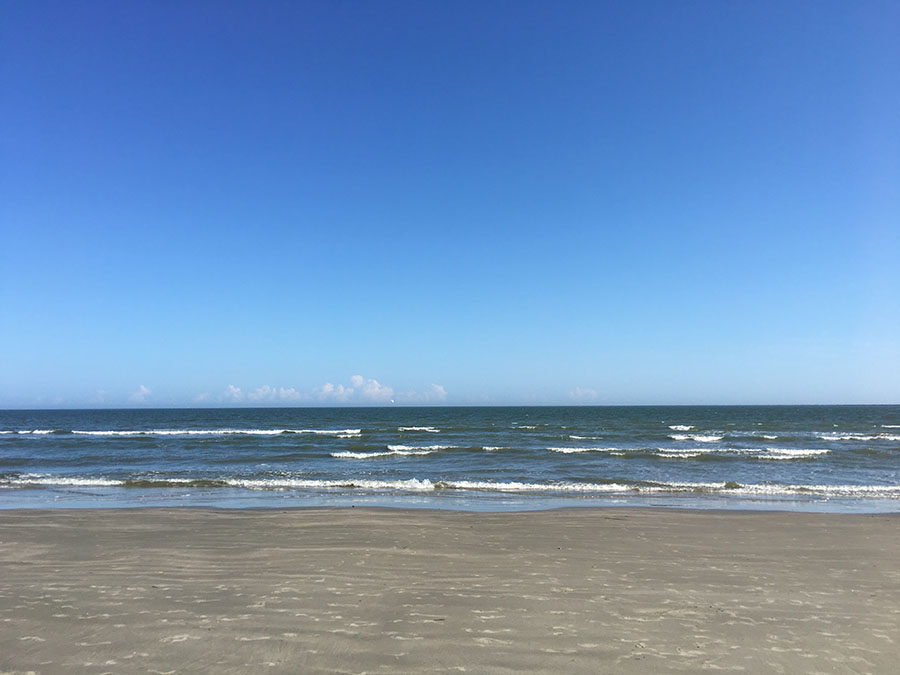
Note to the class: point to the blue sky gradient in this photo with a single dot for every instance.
(319, 203)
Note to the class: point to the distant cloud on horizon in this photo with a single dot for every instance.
(359, 390)
(271, 394)
(583, 395)
(141, 395)
(233, 394)
(434, 394)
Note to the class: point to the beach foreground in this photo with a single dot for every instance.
(379, 590)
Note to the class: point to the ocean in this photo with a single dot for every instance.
(799, 458)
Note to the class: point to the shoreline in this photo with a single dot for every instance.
(36, 500)
(381, 589)
(410, 510)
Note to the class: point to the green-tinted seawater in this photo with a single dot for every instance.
(830, 458)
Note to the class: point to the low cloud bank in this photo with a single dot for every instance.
(358, 390)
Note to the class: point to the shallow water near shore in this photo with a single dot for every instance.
(800, 458)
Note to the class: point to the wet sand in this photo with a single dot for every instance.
(402, 591)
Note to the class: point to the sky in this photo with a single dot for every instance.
(476, 202)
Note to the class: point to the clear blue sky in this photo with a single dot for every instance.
(250, 203)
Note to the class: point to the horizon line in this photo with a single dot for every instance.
(460, 405)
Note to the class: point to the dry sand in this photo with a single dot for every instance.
(395, 591)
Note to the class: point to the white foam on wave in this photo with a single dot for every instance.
(683, 455)
(890, 426)
(700, 438)
(752, 453)
(845, 436)
(793, 453)
(524, 426)
(569, 451)
(430, 448)
(28, 432)
(514, 486)
(340, 433)
(752, 434)
(681, 427)
(706, 451)
(492, 448)
(64, 480)
(431, 430)
(412, 484)
(427, 485)
(585, 438)
(373, 455)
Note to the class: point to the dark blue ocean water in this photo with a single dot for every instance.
(823, 458)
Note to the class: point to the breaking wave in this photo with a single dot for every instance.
(700, 438)
(428, 485)
(219, 432)
(846, 436)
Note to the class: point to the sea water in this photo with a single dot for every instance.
(810, 458)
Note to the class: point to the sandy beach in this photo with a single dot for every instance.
(404, 591)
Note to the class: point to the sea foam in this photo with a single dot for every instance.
(427, 485)
(343, 433)
(372, 455)
(700, 438)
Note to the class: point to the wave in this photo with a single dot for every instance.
(372, 455)
(793, 453)
(340, 433)
(692, 453)
(425, 484)
(409, 485)
(700, 438)
(430, 448)
(35, 432)
(890, 426)
(64, 480)
(745, 453)
(431, 430)
(752, 434)
(850, 436)
(569, 451)
(681, 427)
(710, 451)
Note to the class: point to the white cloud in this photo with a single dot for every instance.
(270, 394)
(141, 394)
(372, 390)
(360, 390)
(583, 395)
(263, 393)
(290, 394)
(331, 392)
(233, 394)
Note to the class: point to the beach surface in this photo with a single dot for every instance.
(416, 591)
